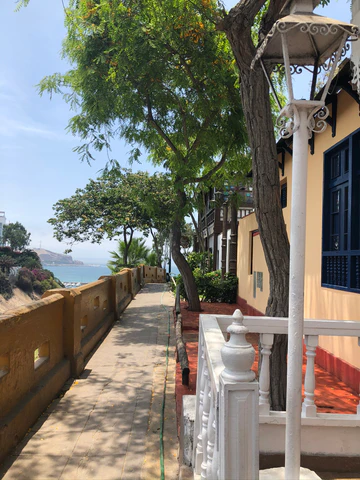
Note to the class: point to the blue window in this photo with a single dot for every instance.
(341, 215)
(283, 195)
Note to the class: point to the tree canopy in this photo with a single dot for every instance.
(137, 253)
(160, 76)
(116, 204)
(155, 73)
(16, 236)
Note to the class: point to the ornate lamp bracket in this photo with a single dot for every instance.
(288, 121)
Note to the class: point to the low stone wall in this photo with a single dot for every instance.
(45, 343)
(154, 274)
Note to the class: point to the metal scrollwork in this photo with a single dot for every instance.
(317, 120)
(286, 122)
(295, 69)
(288, 119)
(314, 28)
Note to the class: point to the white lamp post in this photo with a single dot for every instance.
(301, 40)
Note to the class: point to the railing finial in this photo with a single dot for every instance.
(238, 354)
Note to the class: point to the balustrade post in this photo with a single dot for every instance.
(266, 341)
(211, 437)
(308, 406)
(198, 457)
(205, 422)
(239, 407)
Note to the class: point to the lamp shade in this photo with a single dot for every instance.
(311, 39)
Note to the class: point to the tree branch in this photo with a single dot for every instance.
(243, 14)
(273, 13)
(210, 173)
(197, 84)
(203, 127)
(182, 113)
(157, 127)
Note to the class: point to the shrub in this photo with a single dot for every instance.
(41, 274)
(5, 287)
(211, 287)
(25, 280)
(29, 263)
(38, 288)
(200, 260)
(46, 285)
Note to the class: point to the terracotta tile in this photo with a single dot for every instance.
(331, 395)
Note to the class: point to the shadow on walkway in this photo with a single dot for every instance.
(106, 425)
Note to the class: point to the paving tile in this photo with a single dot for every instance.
(48, 443)
(39, 467)
(97, 468)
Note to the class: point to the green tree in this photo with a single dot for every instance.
(245, 26)
(6, 263)
(158, 75)
(16, 236)
(116, 204)
(137, 253)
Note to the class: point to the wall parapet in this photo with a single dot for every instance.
(44, 343)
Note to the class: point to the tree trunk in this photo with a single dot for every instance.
(266, 185)
(197, 226)
(157, 248)
(180, 260)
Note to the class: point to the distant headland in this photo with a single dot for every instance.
(51, 258)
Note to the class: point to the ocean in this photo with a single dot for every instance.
(83, 273)
(78, 273)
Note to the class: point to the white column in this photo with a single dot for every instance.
(308, 406)
(239, 408)
(296, 293)
(199, 404)
(266, 341)
(211, 437)
(205, 421)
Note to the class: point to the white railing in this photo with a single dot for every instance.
(229, 402)
(226, 421)
(268, 326)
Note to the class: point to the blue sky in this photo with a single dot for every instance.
(38, 166)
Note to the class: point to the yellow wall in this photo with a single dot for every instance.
(320, 302)
(247, 225)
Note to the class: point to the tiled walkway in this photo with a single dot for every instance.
(107, 425)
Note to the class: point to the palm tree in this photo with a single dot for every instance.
(137, 253)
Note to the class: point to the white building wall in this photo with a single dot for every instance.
(2, 223)
(228, 250)
(218, 253)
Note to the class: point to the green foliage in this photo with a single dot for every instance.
(160, 76)
(137, 253)
(152, 259)
(16, 236)
(25, 280)
(6, 262)
(115, 204)
(211, 287)
(26, 258)
(37, 280)
(200, 260)
(5, 286)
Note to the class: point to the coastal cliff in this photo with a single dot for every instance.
(51, 258)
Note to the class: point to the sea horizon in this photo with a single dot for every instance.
(83, 273)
